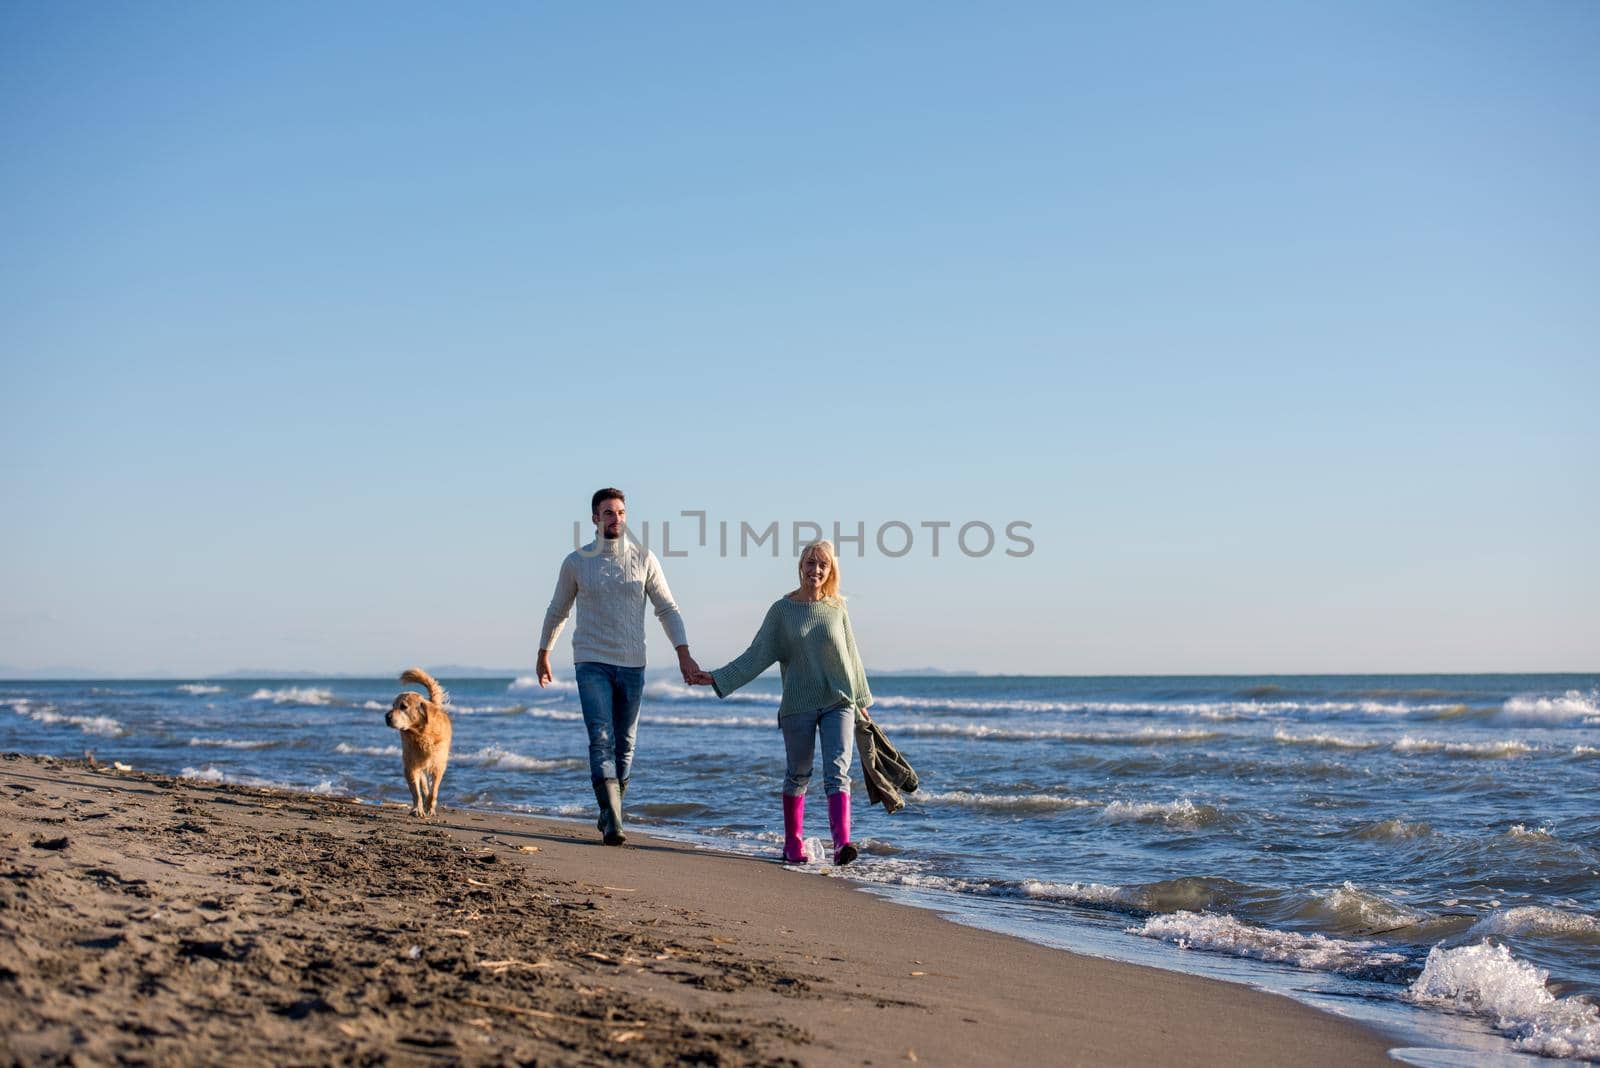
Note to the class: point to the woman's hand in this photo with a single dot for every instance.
(699, 678)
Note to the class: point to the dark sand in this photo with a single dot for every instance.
(149, 920)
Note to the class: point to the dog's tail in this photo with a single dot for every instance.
(436, 692)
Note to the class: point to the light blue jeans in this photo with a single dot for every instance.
(837, 726)
(610, 697)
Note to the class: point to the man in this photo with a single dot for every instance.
(610, 579)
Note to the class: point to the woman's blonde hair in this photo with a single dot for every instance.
(824, 548)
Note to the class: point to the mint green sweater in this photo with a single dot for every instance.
(815, 651)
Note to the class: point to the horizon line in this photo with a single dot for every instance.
(272, 675)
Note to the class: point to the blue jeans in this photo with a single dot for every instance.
(837, 727)
(610, 698)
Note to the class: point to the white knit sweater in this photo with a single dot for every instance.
(609, 579)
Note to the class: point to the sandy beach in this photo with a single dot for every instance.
(148, 919)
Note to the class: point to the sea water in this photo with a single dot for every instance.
(1422, 851)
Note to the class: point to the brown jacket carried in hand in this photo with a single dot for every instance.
(887, 772)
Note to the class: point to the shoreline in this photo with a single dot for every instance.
(157, 917)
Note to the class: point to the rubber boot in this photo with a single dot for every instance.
(604, 820)
(605, 808)
(609, 795)
(794, 828)
(839, 827)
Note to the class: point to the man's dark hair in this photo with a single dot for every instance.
(603, 495)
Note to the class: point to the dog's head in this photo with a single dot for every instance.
(409, 711)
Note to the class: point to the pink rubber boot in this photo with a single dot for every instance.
(794, 828)
(839, 826)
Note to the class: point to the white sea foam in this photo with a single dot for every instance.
(1350, 905)
(1222, 933)
(711, 721)
(1180, 813)
(1574, 704)
(572, 810)
(212, 773)
(378, 706)
(1003, 705)
(1542, 834)
(562, 714)
(530, 683)
(198, 688)
(1005, 802)
(1078, 893)
(1585, 750)
(367, 750)
(1327, 741)
(49, 714)
(1506, 747)
(233, 743)
(1213, 710)
(1486, 979)
(1535, 919)
(913, 874)
(1144, 736)
(667, 690)
(494, 756)
(294, 695)
(484, 710)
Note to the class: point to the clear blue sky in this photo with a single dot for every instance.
(1278, 322)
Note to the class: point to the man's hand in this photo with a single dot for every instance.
(700, 678)
(687, 665)
(542, 669)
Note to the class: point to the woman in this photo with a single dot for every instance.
(807, 633)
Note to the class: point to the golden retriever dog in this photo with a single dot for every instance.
(424, 728)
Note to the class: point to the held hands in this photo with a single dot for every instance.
(542, 669)
(692, 675)
(687, 665)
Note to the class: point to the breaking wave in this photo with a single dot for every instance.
(530, 683)
(1393, 830)
(367, 750)
(295, 695)
(49, 714)
(232, 743)
(711, 721)
(1574, 704)
(212, 773)
(1534, 919)
(1145, 736)
(1350, 908)
(1221, 933)
(1485, 979)
(1507, 747)
(1180, 813)
(1005, 802)
(1327, 741)
(493, 756)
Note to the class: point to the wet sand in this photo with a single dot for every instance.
(151, 920)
